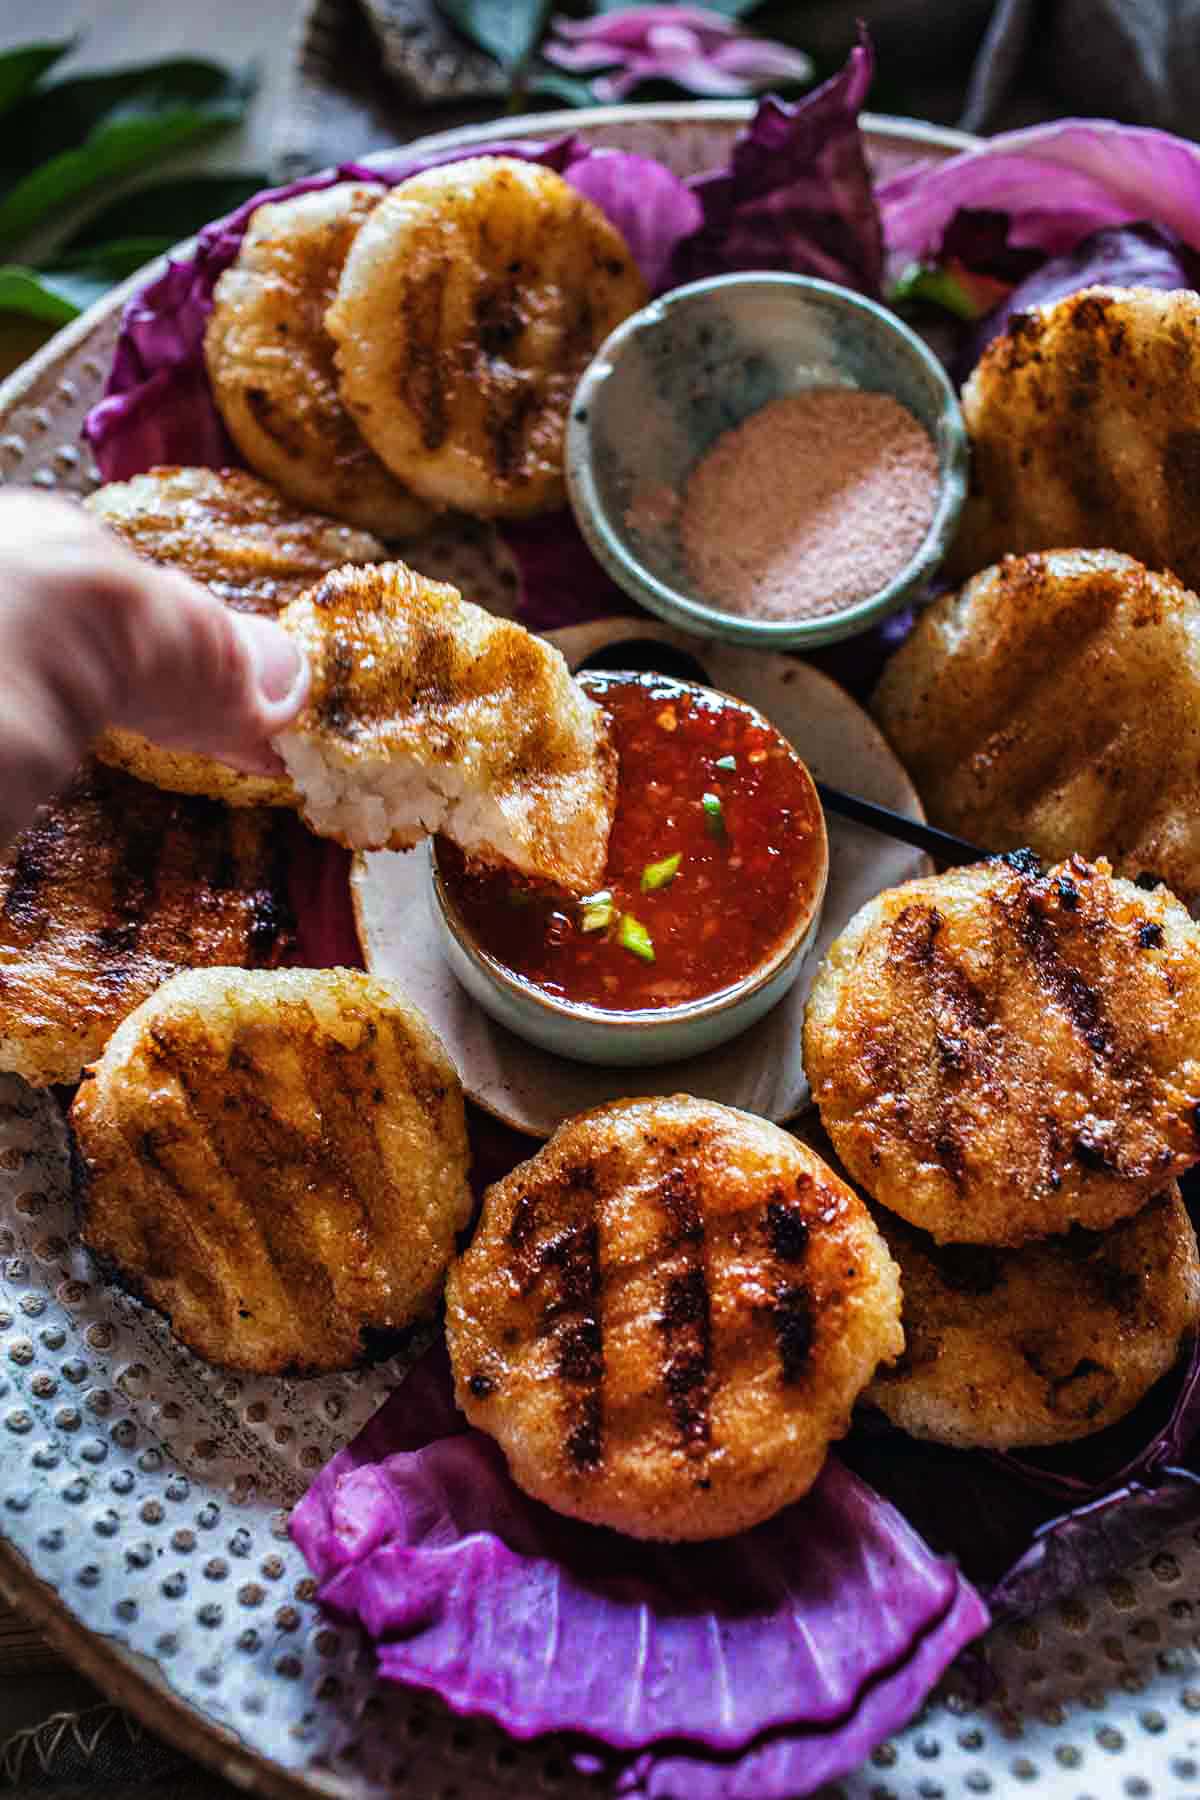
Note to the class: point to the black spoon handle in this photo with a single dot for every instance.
(938, 844)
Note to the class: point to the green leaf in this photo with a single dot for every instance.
(168, 210)
(572, 90)
(58, 143)
(40, 295)
(509, 30)
(115, 260)
(22, 69)
(121, 255)
(70, 284)
(940, 287)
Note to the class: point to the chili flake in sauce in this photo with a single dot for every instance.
(703, 779)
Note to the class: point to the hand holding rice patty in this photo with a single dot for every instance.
(427, 714)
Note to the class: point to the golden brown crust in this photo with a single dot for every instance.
(188, 772)
(1042, 1345)
(278, 1162)
(666, 1315)
(471, 301)
(1085, 430)
(255, 551)
(271, 362)
(998, 1054)
(421, 698)
(113, 889)
(1055, 702)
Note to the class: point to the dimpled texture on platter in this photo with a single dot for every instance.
(143, 1496)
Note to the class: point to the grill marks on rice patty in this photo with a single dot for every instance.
(229, 530)
(666, 1315)
(270, 362)
(471, 300)
(278, 1162)
(998, 1054)
(1043, 1344)
(1084, 426)
(112, 889)
(426, 713)
(1055, 702)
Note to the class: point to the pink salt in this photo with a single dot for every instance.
(653, 510)
(814, 502)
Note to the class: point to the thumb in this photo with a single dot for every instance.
(215, 681)
(278, 670)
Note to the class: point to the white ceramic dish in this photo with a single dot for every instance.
(762, 1069)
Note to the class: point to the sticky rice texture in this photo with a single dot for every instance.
(426, 714)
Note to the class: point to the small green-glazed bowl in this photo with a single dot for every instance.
(671, 379)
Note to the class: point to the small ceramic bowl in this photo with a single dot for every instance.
(690, 366)
(593, 1034)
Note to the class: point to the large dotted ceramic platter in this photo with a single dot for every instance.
(762, 1070)
(144, 1501)
(144, 1497)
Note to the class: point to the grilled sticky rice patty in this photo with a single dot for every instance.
(277, 1160)
(113, 888)
(270, 361)
(1056, 1340)
(999, 1053)
(471, 301)
(427, 714)
(255, 551)
(1055, 702)
(667, 1314)
(1083, 418)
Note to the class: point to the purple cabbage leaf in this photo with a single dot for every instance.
(791, 1763)
(1055, 183)
(560, 581)
(767, 1662)
(1093, 1540)
(797, 194)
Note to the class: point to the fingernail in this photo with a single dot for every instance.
(280, 672)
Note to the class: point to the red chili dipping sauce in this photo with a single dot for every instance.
(717, 847)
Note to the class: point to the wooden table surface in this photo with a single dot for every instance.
(33, 1678)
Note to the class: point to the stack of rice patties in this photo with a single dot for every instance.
(1008, 1060)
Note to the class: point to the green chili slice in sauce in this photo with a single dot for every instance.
(657, 875)
(632, 935)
